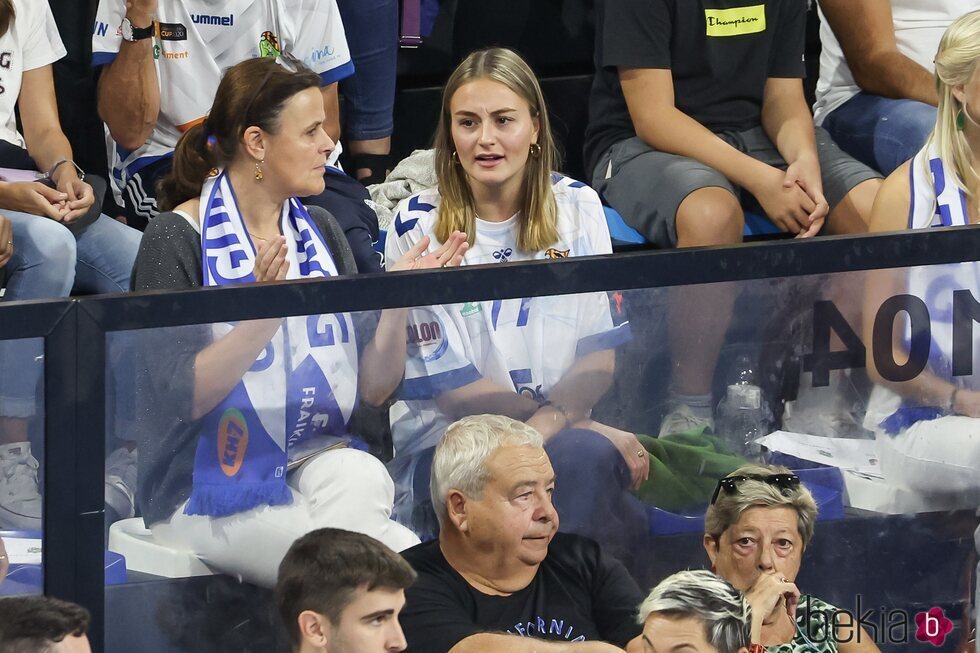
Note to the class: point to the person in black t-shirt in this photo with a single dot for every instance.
(500, 577)
(697, 110)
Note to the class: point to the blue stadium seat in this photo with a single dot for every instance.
(755, 225)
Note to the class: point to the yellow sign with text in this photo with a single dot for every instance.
(735, 22)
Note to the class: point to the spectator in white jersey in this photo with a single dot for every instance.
(55, 240)
(926, 426)
(543, 360)
(876, 94)
(161, 61)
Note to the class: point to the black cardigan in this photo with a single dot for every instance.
(169, 258)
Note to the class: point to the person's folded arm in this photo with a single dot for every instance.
(890, 213)
(485, 396)
(573, 397)
(866, 35)
(787, 122)
(46, 142)
(503, 643)
(786, 119)
(649, 94)
(128, 90)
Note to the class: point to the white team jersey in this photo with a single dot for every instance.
(525, 345)
(31, 42)
(197, 40)
(936, 200)
(919, 25)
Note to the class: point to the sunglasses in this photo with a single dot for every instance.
(288, 62)
(785, 483)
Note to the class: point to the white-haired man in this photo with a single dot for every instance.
(500, 577)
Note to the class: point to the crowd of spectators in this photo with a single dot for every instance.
(518, 512)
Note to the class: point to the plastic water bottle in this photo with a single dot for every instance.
(743, 414)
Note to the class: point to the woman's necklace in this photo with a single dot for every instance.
(264, 240)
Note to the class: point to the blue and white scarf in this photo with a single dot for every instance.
(286, 397)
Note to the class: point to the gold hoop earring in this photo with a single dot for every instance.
(455, 157)
(258, 171)
(535, 150)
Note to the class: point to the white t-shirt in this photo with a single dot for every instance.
(919, 25)
(525, 345)
(32, 41)
(199, 39)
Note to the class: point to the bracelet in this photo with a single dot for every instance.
(50, 173)
(558, 407)
(952, 399)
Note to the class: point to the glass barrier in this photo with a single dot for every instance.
(248, 435)
(21, 472)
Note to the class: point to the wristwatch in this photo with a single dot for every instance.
(132, 33)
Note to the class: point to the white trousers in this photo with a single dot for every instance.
(935, 457)
(343, 488)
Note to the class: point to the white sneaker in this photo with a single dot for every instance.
(20, 496)
(120, 482)
(680, 419)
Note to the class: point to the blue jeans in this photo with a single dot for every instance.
(880, 132)
(369, 94)
(48, 262)
(593, 498)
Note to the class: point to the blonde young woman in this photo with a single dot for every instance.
(929, 439)
(543, 360)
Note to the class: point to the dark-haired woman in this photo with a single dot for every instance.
(226, 407)
(58, 240)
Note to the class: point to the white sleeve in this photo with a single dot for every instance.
(436, 361)
(106, 34)
(397, 244)
(42, 43)
(320, 41)
(410, 224)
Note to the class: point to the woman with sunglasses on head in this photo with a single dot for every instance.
(759, 523)
(225, 408)
(543, 360)
(926, 427)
